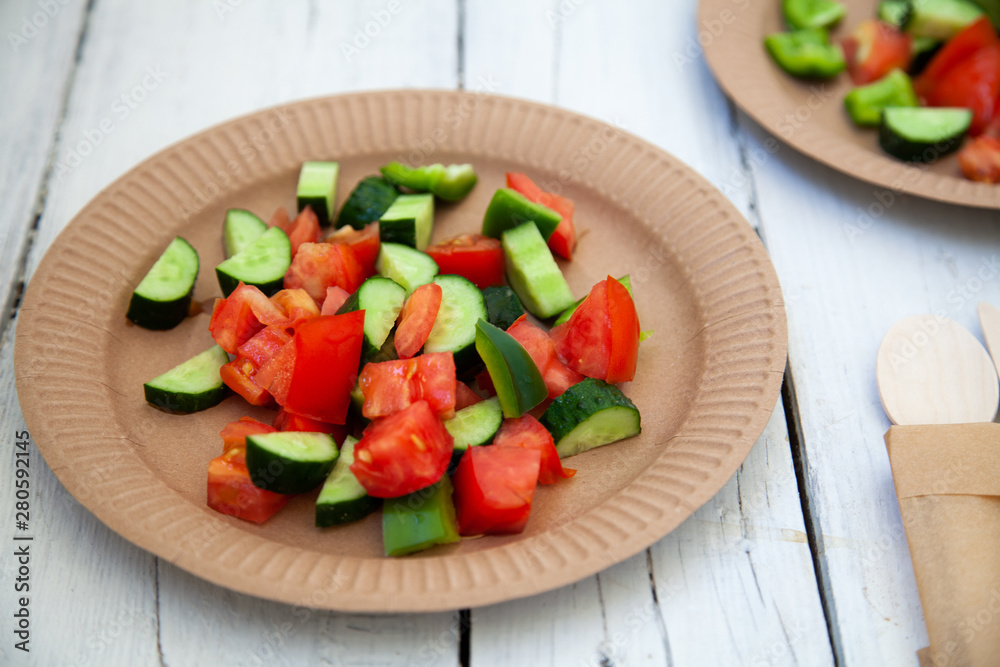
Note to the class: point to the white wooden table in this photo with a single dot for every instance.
(800, 559)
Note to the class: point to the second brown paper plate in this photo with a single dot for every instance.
(708, 379)
(809, 115)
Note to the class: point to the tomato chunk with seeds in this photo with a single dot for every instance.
(417, 319)
(234, 434)
(402, 453)
(494, 487)
(391, 386)
(303, 229)
(231, 492)
(264, 345)
(558, 377)
(238, 317)
(528, 432)
(475, 257)
(364, 242)
(980, 159)
(317, 266)
(238, 375)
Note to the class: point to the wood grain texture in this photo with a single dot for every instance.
(708, 563)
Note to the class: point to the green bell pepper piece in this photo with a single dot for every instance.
(801, 14)
(865, 103)
(419, 520)
(806, 53)
(510, 208)
(450, 183)
(515, 376)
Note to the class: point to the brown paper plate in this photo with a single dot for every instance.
(810, 116)
(708, 379)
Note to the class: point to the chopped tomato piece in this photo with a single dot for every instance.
(528, 432)
(264, 345)
(335, 298)
(364, 242)
(973, 37)
(417, 319)
(403, 453)
(624, 333)
(280, 219)
(874, 49)
(563, 239)
(296, 304)
(317, 266)
(485, 383)
(238, 376)
(475, 257)
(276, 373)
(304, 229)
(391, 386)
(286, 421)
(494, 487)
(237, 318)
(980, 159)
(558, 377)
(230, 490)
(326, 351)
(464, 396)
(234, 434)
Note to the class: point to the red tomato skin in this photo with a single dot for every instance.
(335, 298)
(296, 304)
(231, 492)
(475, 257)
(317, 266)
(238, 376)
(980, 159)
(304, 229)
(583, 342)
(558, 378)
(874, 49)
(528, 432)
(417, 319)
(327, 353)
(237, 318)
(563, 239)
(464, 396)
(974, 37)
(624, 333)
(392, 386)
(494, 488)
(264, 345)
(286, 421)
(234, 434)
(364, 242)
(485, 383)
(402, 453)
(276, 373)
(972, 83)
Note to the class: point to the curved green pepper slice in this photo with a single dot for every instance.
(515, 376)
(806, 53)
(450, 183)
(419, 520)
(801, 14)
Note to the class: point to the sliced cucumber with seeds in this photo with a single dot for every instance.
(502, 305)
(162, 299)
(474, 426)
(290, 461)
(940, 19)
(381, 299)
(405, 265)
(318, 189)
(367, 202)
(923, 134)
(263, 264)
(533, 272)
(454, 330)
(409, 221)
(590, 414)
(240, 229)
(191, 386)
(342, 498)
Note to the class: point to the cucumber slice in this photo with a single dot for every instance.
(290, 461)
(454, 331)
(191, 386)
(405, 265)
(590, 414)
(342, 498)
(420, 520)
(318, 189)
(162, 299)
(474, 426)
(923, 134)
(940, 19)
(367, 202)
(568, 313)
(263, 264)
(510, 208)
(533, 272)
(409, 221)
(381, 299)
(502, 305)
(240, 229)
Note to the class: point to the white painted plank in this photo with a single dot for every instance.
(35, 68)
(212, 67)
(853, 260)
(614, 62)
